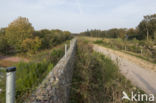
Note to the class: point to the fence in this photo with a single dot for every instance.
(56, 86)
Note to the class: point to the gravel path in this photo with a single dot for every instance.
(141, 73)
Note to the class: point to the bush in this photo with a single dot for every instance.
(2, 84)
(55, 55)
(134, 46)
(98, 42)
(20, 36)
(31, 45)
(53, 37)
(17, 31)
(96, 79)
(28, 76)
(4, 46)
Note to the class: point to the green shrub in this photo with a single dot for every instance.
(4, 46)
(98, 42)
(55, 55)
(96, 79)
(133, 46)
(29, 75)
(2, 84)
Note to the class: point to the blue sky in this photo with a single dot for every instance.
(77, 15)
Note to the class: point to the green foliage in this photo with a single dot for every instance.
(4, 46)
(112, 33)
(21, 37)
(2, 31)
(143, 49)
(17, 31)
(96, 79)
(98, 41)
(155, 36)
(29, 75)
(53, 37)
(31, 45)
(140, 32)
(148, 24)
(2, 84)
(55, 55)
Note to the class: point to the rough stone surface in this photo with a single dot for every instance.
(56, 86)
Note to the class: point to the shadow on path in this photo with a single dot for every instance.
(152, 90)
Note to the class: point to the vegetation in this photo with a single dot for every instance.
(29, 75)
(4, 46)
(2, 85)
(17, 31)
(97, 79)
(140, 42)
(139, 48)
(41, 47)
(145, 29)
(20, 37)
(31, 45)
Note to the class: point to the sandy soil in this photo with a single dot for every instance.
(140, 72)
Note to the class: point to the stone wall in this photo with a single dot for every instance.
(56, 86)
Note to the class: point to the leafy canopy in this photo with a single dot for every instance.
(17, 31)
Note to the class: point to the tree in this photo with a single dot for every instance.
(131, 32)
(147, 26)
(31, 45)
(2, 31)
(155, 36)
(58, 36)
(17, 31)
(67, 34)
(4, 46)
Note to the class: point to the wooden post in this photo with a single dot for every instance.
(70, 43)
(65, 50)
(125, 48)
(141, 51)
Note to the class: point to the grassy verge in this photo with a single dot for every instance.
(4, 63)
(121, 48)
(29, 75)
(2, 85)
(45, 54)
(96, 79)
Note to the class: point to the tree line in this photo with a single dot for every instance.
(145, 30)
(20, 37)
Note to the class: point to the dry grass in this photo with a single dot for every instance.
(96, 79)
(5, 63)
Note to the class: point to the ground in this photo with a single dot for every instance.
(10, 60)
(141, 73)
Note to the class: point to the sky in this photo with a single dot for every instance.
(77, 15)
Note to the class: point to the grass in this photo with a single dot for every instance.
(45, 54)
(139, 56)
(4, 63)
(96, 79)
(30, 75)
(118, 44)
(2, 84)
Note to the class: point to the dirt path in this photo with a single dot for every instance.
(141, 73)
(13, 59)
(6, 61)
